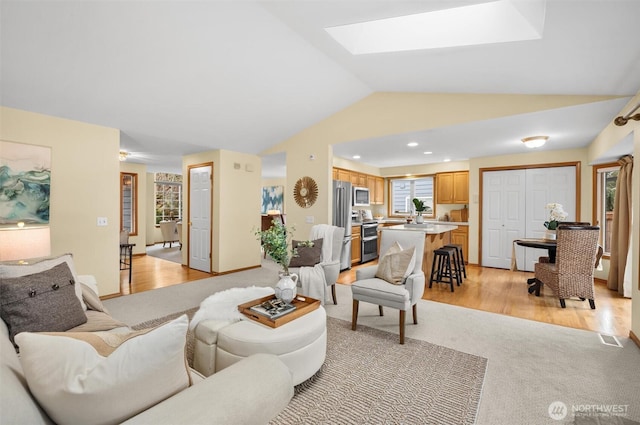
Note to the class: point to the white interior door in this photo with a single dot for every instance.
(503, 215)
(200, 218)
(513, 207)
(546, 185)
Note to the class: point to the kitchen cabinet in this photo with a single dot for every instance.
(378, 194)
(375, 184)
(460, 236)
(343, 175)
(452, 188)
(356, 244)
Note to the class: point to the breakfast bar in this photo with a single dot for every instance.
(435, 236)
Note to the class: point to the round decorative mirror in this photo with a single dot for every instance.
(305, 192)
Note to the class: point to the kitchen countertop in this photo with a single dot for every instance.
(428, 228)
(402, 221)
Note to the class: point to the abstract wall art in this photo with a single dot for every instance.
(272, 198)
(25, 183)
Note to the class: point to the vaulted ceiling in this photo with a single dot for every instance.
(183, 77)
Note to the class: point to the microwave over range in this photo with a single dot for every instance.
(360, 197)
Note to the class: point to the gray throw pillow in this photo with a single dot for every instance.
(308, 256)
(41, 302)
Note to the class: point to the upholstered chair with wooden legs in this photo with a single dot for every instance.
(403, 295)
(572, 273)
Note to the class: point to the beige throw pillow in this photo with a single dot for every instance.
(396, 264)
(104, 377)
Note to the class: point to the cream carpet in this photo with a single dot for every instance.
(530, 365)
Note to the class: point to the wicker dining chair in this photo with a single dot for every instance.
(572, 273)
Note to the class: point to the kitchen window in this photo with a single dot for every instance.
(402, 190)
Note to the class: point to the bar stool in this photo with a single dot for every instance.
(459, 258)
(444, 266)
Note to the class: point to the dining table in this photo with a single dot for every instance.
(549, 244)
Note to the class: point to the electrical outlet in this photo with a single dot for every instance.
(310, 219)
(102, 221)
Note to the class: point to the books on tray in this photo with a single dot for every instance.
(273, 308)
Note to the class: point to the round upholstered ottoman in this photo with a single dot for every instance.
(301, 344)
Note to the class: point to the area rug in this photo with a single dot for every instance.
(369, 378)
(172, 254)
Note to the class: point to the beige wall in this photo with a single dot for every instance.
(236, 208)
(141, 238)
(84, 185)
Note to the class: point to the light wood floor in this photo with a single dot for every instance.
(493, 290)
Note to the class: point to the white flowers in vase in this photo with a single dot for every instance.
(556, 214)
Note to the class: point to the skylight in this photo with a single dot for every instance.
(494, 22)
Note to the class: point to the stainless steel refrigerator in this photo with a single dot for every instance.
(342, 218)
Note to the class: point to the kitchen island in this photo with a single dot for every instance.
(435, 236)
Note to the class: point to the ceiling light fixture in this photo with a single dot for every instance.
(412, 144)
(356, 157)
(535, 141)
(427, 153)
(123, 155)
(446, 160)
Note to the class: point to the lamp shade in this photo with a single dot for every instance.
(23, 243)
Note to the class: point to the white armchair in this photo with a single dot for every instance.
(169, 231)
(370, 289)
(330, 260)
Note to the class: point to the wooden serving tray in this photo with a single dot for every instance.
(302, 303)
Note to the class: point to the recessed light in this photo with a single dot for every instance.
(356, 156)
(446, 160)
(427, 153)
(412, 144)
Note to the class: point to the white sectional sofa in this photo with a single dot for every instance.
(236, 395)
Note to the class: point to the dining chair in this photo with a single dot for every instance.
(572, 273)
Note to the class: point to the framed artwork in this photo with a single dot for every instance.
(272, 198)
(25, 183)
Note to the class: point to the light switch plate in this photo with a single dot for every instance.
(102, 221)
(310, 219)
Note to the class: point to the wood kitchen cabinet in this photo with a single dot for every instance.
(342, 175)
(460, 236)
(378, 194)
(356, 245)
(452, 188)
(375, 184)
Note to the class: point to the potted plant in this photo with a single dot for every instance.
(420, 208)
(276, 242)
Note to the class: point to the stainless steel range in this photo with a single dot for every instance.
(369, 241)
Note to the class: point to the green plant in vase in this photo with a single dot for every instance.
(420, 207)
(276, 242)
